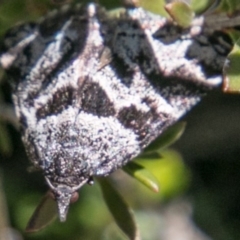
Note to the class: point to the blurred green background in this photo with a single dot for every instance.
(199, 192)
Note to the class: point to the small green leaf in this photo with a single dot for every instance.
(181, 13)
(167, 138)
(170, 171)
(231, 82)
(44, 214)
(155, 6)
(122, 214)
(141, 174)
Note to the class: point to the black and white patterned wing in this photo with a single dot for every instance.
(87, 86)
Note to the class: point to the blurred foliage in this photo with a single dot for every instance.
(232, 70)
(167, 138)
(89, 218)
(45, 214)
(170, 171)
(201, 6)
(121, 212)
(5, 142)
(142, 175)
(155, 6)
(181, 13)
(229, 6)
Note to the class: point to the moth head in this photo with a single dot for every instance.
(64, 195)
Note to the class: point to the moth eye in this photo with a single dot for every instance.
(74, 197)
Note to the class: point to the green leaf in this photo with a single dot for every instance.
(231, 82)
(181, 13)
(44, 214)
(141, 174)
(229, 6)
(122, 214)
(167, 138)
(155, 6)
(203, 5)
(170, 171)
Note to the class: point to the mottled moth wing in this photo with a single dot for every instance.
(92, 91)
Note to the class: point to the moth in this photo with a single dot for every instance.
(91, 90)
